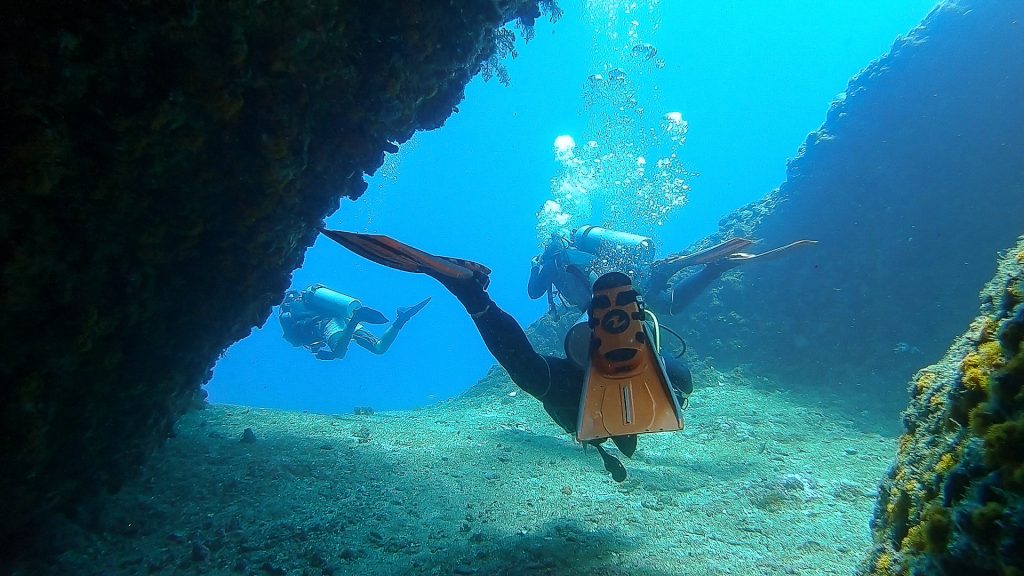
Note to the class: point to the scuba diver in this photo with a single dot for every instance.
(567, 268)
(325, 321)
(613, 383)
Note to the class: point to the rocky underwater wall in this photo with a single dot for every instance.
(915, 179)
(164, 167)
(953, 503)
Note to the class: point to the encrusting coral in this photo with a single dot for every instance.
(952, 503)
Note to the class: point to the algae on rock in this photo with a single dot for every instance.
(953, 502)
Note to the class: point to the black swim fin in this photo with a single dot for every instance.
(404, 314)
(627, 390)
(612, 464)
(741, 257)
(667, 267)
(626, 444)
(367, 315)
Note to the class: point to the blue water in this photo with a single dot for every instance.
(750, 78)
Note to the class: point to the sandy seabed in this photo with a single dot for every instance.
(760, 482)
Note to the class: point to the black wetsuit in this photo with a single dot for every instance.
(556, 382)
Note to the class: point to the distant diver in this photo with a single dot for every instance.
(569, 265)
(615, 386)
(325, 321)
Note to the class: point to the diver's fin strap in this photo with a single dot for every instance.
(483, 273)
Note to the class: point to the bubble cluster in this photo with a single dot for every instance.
(628, 175)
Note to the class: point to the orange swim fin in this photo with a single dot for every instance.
(769, 255)
(712, 254)
(626, 390)
(394, 254)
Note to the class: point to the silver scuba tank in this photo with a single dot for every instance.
(597, 240)
(330, 302)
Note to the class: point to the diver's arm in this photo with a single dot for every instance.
(540, 279)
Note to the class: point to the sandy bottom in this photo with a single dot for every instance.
(760, 482)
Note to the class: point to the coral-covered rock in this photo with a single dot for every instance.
(953, 503)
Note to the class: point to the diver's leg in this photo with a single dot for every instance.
(382, 344)
(508, 344)
(661, 272)
(337, 336)
(679, 377)
(658, 300)
(688, 289)
(502, 335)
(370, 342)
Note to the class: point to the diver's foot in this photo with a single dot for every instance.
(471, 291)
(368, 315)
(476, 282)
(404, 314)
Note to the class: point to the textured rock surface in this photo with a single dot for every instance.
(912, 183)
(952, 503)
(164, 167)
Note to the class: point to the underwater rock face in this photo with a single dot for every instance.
(912, 183)
(165, 165)
(952, 503)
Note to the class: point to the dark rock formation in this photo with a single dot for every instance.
(953, 503)
(164, 167)
(912, 183)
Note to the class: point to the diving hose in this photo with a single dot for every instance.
(657, 329)
(657, 333)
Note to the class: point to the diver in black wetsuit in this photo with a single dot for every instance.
(559, 383)
(568, 267)
(556, 382)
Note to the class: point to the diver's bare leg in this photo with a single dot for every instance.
(337, 341)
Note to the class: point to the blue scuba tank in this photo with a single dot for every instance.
(327, 301)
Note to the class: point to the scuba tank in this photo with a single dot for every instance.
(596, 240)
(327, 301)
(622, 251)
